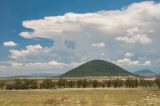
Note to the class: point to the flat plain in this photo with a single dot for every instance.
(81, 97)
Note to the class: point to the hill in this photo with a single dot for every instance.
(145, 73)
(45, 75)
(97, 68)
(34, 75)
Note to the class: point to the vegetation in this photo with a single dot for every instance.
(97, 68)
(47, 84)
(157, 81)
(82, 97)
(81, 83)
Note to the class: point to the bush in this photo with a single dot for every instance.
(70, 84)
(95, 83)
(131, 83)
(79, 83)
(10, 85)
(117, 83)
(47, 84)
(30, 84)
(157, 81)
(19, 84)
(61, 83)
(2, 84)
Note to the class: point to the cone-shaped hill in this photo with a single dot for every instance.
(97, 68)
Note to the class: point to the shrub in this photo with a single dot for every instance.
(47, 84)
(157, 81)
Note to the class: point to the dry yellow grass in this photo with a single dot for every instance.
(81, 97)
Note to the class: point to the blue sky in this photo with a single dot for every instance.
(70, 35)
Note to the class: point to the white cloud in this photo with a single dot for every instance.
(55, 63)
(53, 66)
(9, 43)
(30, 50)
(128, 54)
(140, 38)
(137, 24)
(130, 62)
(127, 61)
(142, 15)
(2, 68)
(147, 63)
(101, 44)
(102, 54)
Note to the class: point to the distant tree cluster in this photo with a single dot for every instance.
(81, 83)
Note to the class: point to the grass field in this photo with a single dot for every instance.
(81, 97)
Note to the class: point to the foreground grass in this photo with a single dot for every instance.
(81, 97)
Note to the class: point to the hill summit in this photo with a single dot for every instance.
(97, 68)
(145, 72)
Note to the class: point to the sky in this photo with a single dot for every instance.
(54, 36)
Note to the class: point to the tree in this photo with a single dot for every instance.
(2, 84)
(131, 83)
(117, 83)
(143, 83)
(157, 81)
(102, 84)
(19, 84)
(33, 84)
(84, 83)
(26, 83)
(30, 83)
(47, 84)
(150, 83)
(10, 85)
(61, 83)
(95, 83)
(108, 83)
(79, 83)
(120, 82)
(70, 84)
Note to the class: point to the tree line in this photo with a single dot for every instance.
(82, 83)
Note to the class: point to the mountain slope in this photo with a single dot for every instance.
(43, 75)
(97, 68)
(145, 73)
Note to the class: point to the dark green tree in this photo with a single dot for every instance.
(47, 84)
(79, 83)
(61, 83)
(19, 84)
(30, 83)
(2, 84)
(95, 83)
(131, 83)
(143, 83)
(157, 81)
(85, 83)
(117, 83)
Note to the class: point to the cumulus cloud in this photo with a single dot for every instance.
(98, 44)
(134, 35)
(130, 62)
(128, 54)
(30, 50)
(147, 63)
(142, 15)
(127, 61)
(2, 68)
(53, 66)
(9, 43)
(136, 24)
(135, 39)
